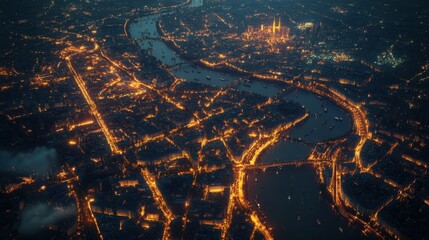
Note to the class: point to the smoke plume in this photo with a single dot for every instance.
(41, 215)
(37, 161)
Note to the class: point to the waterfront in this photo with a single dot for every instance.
(272, 187)
(174, 119)
(293, 203)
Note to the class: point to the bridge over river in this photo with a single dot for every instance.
(264, 166)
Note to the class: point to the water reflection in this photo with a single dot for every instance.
(293, 205)
(289, 197)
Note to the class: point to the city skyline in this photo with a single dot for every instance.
(191, 119)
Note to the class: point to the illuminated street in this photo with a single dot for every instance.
(206, 119)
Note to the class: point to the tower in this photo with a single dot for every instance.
(276, 26)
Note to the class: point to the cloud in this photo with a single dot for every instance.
(40, 215)
(37, 161)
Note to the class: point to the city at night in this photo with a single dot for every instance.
(214, 119)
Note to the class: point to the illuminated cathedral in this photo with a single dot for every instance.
(274, 34)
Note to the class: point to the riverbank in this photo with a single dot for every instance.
(306, 97)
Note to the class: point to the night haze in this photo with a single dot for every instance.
(214, 119)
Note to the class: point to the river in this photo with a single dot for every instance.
(290, 198)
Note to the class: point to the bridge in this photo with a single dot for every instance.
(297, 163)
(286, 90)
(231, 84)
(179, 64)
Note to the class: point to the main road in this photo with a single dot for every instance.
(360, 127)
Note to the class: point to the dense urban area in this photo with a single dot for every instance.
(214, 119)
